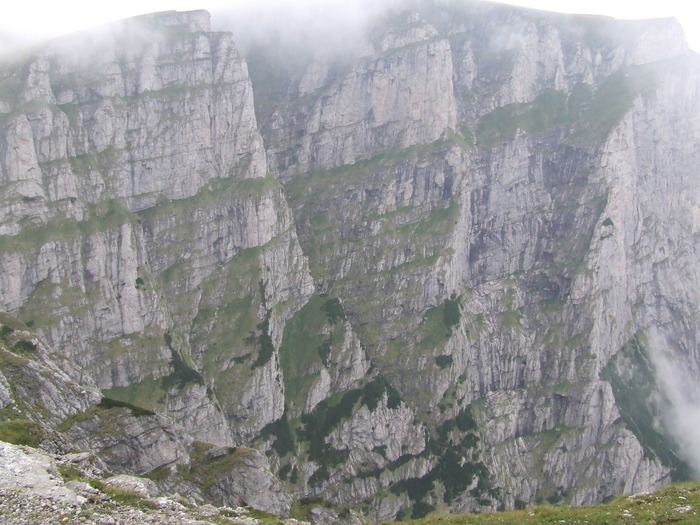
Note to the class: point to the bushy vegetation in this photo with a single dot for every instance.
(334, 310)
(330, 413)
(457, 468)
(107, 403)
(263, 340)
(282, 433)
(443, 361)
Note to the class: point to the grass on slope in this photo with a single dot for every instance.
(678, 504)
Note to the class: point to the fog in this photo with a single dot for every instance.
(332, 22)
(679, 383)
(328, 27)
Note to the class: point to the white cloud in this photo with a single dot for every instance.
(38, 19)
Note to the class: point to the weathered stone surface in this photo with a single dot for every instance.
(394, 429)
(247, 481)
(129, 442)
(401, 97)
(25, 468)
(32, 491)
(141, 486)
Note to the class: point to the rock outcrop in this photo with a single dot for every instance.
(112, 176)
(44, 408)
(33, 490)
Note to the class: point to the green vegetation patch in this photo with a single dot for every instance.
(123, 495)
(21, 432)
(8, 335)
(457, 468)
(613, 99)
(208, 464)
(148, 393)
(262, 339)
(70, 472)
(301, 508)
(511, 319)
(281, 431)
(10, 324)
(106, 413)
(444, 361)
(9, 360)
(330, 413)
(548, 110)
(592, 114)
(227, 336)
(377, 269)
(678, 504)
(436, 326)
(101, 217)
(24, 347)
(218, 192)
(182, 373)
(106, 403)
(334, 181)
(309, 339)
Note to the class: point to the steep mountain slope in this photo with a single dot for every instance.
(496, 265)
(138, 211)
(457, 287)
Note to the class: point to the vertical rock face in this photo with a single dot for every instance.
(501, 273)
(476, 252)
(138, 207)
(399, 96)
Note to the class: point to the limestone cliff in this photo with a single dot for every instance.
(130, 160)
(441, 270)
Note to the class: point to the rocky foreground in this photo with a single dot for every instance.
(36, 487)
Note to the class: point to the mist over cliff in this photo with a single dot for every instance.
(423, 256)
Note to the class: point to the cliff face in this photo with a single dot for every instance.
(473, 255)
(138, 209)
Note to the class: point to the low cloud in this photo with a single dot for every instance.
(327, 27)
(679, 383)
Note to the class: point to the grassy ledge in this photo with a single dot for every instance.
(678, 504)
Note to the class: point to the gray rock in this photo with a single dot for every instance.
(35, 472)
(247, 480)
(141, 486)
